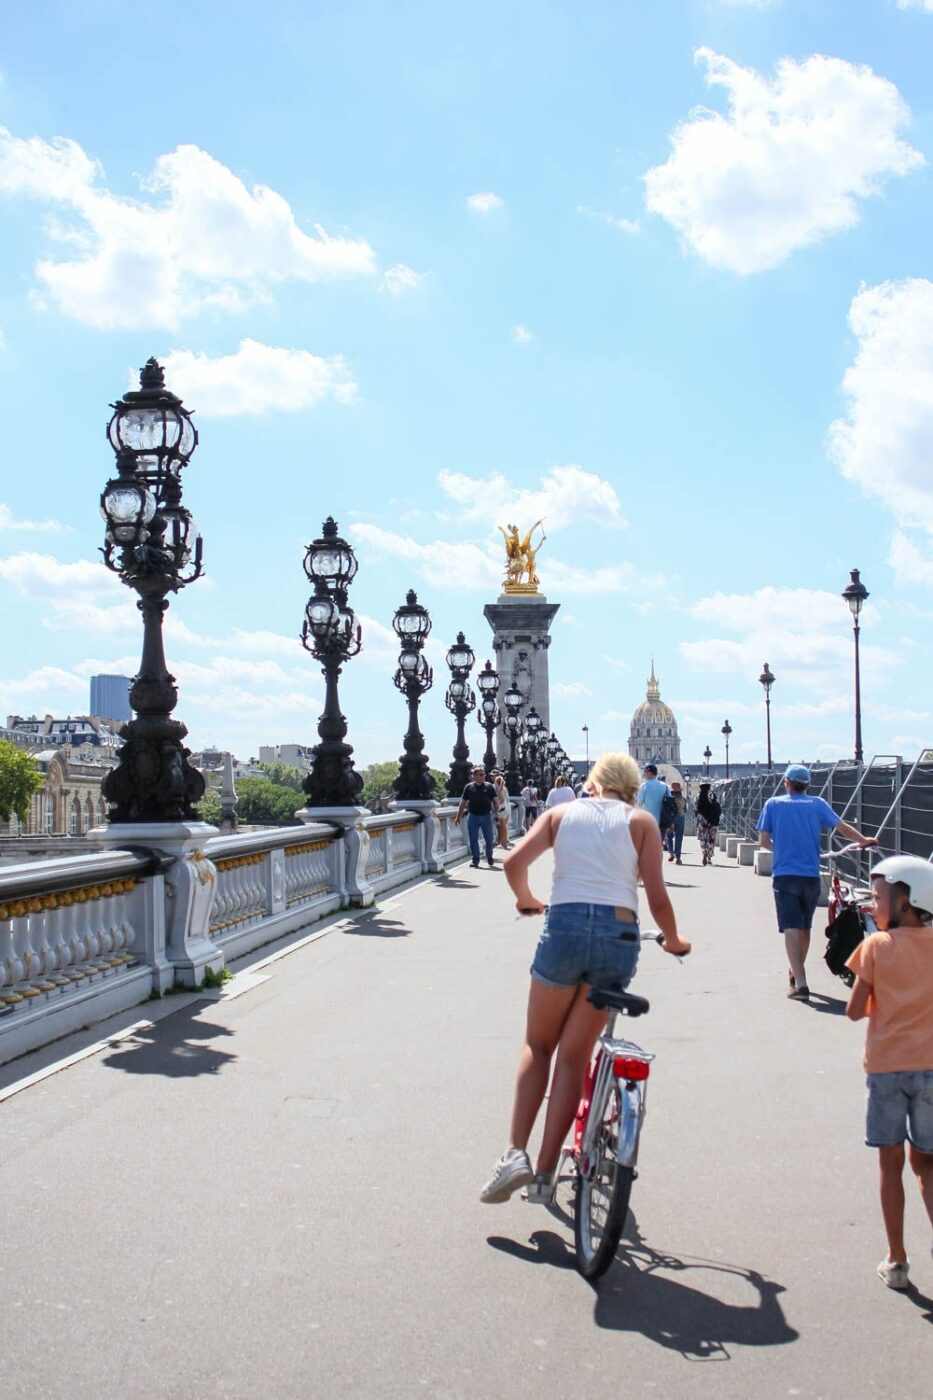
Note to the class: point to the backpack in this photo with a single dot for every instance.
(669, 811)
(714, 810)
(843, 935)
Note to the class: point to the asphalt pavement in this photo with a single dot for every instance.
(275, 1194)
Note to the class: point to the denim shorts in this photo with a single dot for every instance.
(900, 1105)
(586, 943)
(796, 898)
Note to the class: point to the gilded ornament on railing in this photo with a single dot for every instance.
(38, 904)
(521, 559)
(305, 847)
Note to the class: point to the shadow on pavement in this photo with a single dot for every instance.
(171, 1048)
(830, 1006)
(377, 926)
(920, 1300)
(544, 1247)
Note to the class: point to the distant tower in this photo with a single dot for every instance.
(653, 737)
(110, 697)
(521, 620)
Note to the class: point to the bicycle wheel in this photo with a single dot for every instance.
(603, 1189)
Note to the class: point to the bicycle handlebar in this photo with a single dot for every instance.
(828, 856)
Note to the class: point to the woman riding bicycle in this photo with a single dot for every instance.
(602, 847)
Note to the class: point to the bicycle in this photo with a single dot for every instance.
(848, 919)
(607, 1130)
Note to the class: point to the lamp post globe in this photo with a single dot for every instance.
(459, 700)
(512, 724)
(707, 755)
(331, 633)
(413, 678)
(726, 731)
(766, 679)
(855, 595)
(151, 543)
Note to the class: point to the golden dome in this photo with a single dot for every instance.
(653, 710)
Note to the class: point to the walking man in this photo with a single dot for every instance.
(479, 801)
(652, 792)
(674, 836)
(791, 827)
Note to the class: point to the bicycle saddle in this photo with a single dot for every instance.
(625, 1002)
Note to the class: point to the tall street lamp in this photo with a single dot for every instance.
(552, 748)
(533, 727)
(726, 731)
(460, 700)
(152, 544)
(767, 680)
(855, 595)
(413, 678)
(488, 716)
(513, 701)
(586, 731)
(707, 755)
(331, 633)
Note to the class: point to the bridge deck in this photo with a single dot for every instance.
(276, 1194)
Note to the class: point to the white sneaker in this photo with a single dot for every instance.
(541, 1190)
(513, 1170)
(894, 1275)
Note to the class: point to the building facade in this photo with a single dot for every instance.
(653, 737)
(110, 698)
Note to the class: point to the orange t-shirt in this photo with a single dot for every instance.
(898, 966)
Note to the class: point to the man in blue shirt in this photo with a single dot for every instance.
(791, 826)
(652, 792)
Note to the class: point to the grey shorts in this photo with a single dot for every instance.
(795, 899)
(900, 1105)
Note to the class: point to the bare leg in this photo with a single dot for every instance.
(921, 1164)
(793, 939)
(891, 1169)
(547, 1011)
(581, 1028)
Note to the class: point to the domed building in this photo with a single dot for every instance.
(653, 737)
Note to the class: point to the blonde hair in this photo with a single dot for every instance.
(615, 772)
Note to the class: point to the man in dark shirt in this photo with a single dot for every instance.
(479, 801)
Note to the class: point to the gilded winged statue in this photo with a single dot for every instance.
(521, 558)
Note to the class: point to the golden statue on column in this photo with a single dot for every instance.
(521, 558)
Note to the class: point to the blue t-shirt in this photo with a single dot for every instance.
(795, 822)
(650, 796)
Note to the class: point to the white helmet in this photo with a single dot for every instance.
(913, 872)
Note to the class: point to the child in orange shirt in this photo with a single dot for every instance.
(894, 989)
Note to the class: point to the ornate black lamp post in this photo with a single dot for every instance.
(726, 731)
(513, 701)
(767, 680)
(413, 678)
(586, 731)
(707, 755)
(552, 747)
(332, 635)
(533, 726)
(460, 700)
(152, 543)
(855, 595)
(488, 716)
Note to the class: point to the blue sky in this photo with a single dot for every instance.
(660, 273)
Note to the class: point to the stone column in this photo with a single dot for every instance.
(521, 636)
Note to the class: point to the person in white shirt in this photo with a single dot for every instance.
(560, 792)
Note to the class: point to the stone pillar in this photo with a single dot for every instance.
(520, 638)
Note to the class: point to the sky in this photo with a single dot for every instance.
(658, 273)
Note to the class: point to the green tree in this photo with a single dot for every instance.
(261, 803)
(19, 779)
(209, 807)
(379, 777)
(284, 775)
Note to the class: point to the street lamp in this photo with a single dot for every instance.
(726, 731)
(513, 701)
(488, 715)
(552, 747)
(460, 700)
(707, 755)
(152, 544)
(533, 727)
(855, 595)
(331, 633)
(767, 680)
(413, 678)
(586, 731)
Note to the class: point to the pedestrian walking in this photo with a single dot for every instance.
(602, 847)
(791, 826)
(652, 792)
(894, 989)
(707, 812)
(674, 835)
(560, 792)
(479, 802)
(530, 794)
(503, 807)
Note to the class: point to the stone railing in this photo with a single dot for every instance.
(86, 937)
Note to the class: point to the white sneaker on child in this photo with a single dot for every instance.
(894, 1274)
(513, 1170)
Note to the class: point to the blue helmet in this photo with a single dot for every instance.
(797, 773)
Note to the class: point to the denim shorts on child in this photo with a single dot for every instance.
(586, 943)
(795, 898)
(900, 1105)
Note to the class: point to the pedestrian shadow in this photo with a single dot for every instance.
(376, 926)
(920, 1300)
(829, 1006)
(172, 1048)
(543, 1247)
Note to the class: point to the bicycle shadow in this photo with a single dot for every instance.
(171, 1047)
(829, 1006)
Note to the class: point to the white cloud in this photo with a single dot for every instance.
(400, 279)
(909, 562)
(566, 495)
(484, 203)
(197, 238)
(916, 5)
(42, 575)
(256, 379)
(522, 335)
(613, 220)
(8, 522)
(574, 690)
(447, 564)
(788, 164)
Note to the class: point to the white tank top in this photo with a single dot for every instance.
(595, 861)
